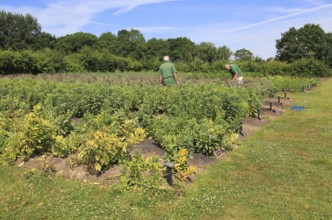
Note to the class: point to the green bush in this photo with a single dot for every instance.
(7, 62)
(72, 64)
(37, 135)
(276, 68)
(181, 66)
(134, 65)
(99, 150)
(308, 68)
(217, 66)
(140, 174)
(292, 84)
(252, 66)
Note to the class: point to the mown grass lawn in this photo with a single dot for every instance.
(284, 171)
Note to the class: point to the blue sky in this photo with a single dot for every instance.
(251, 24)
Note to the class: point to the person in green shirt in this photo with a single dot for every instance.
(167, 73)
(235, 72)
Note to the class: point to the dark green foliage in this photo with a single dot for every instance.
(327, 50)
(106, 41)
(73, 43)
(207, 52)
(156, 49)
(276, 68)
(223, 53)
(305, 67)
(130, 44)
(309, 41)
(251, 66)
(27, 61)
(7, 62)
(243, 55)
(181, 49)
(18, 31)
(308, 68)
(43, 40)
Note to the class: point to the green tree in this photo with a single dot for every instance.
(182, 49)
(207, 52)
(157, 48)
(130, 44)
(43, 40)
(107, 41)
(287, 47)
(72, 43)
(327, 51)
(224, 53)
(308, 41)
(243, 55)
(17, 31)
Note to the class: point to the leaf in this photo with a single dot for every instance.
(97, 167)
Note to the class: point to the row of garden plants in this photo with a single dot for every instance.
(94, 123)
(255, 80)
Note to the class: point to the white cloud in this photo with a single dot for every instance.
(131, 4)
(280, 10)
(314, 2)
(65, 17)
(260, 37)
(299, 12)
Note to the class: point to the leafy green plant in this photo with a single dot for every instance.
(181, 168)
(131, 132)
(100, 150)
(292, 84)
(308, 67)
(209, 137)
(142, 174)
(36, 136)
(65, 146)
(10, 149)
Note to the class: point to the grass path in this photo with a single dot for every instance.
(284, 171)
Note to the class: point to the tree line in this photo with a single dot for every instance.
(25, 48)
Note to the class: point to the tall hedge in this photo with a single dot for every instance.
(89, 60)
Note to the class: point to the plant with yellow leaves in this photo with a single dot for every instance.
(181, 168)
(100, 150)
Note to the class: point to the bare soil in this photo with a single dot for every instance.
(252, 124)
(149, 147)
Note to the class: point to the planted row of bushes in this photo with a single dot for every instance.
(94, 123)
(33, 134)
(214, 112)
